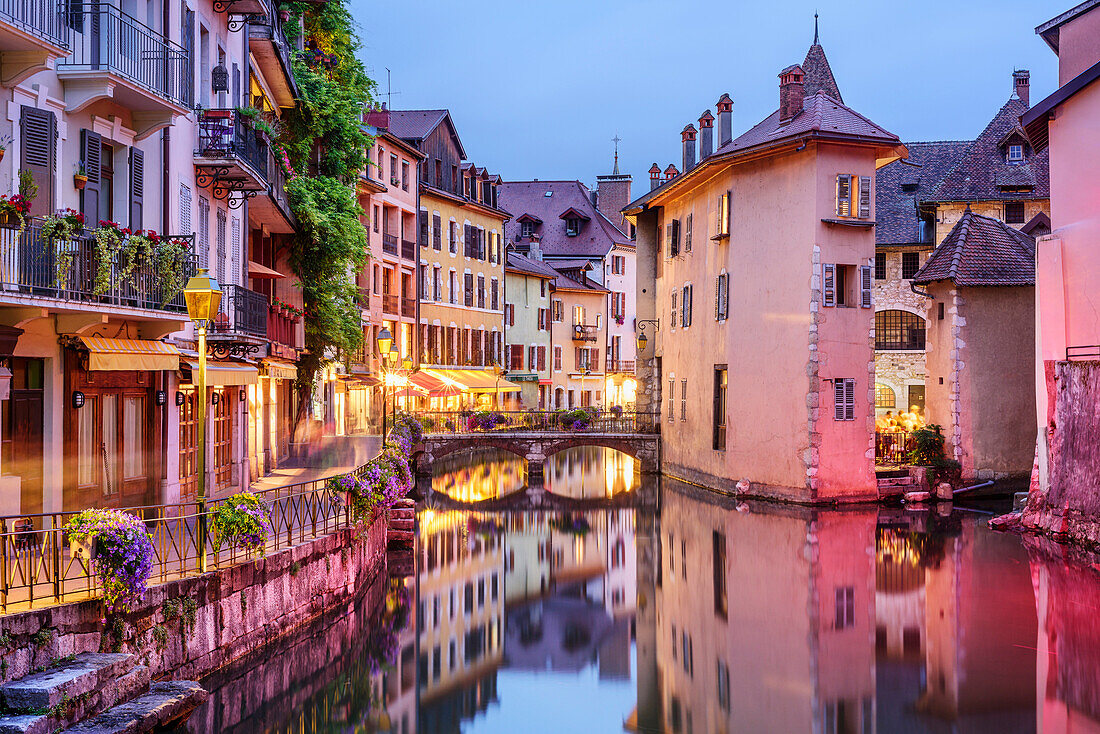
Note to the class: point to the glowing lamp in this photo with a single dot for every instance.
(385, 341)
(203, 296)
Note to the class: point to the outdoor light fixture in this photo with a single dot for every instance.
(215, 398)
(180, 397)
(243, 395)
(385, 341)
(162, 397)
(203, 296)
(394, 355)
(407, 364)
(642, 338)
(78, 399)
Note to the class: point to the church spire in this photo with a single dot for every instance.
(815, 29)
(616, 140)
(818, 75)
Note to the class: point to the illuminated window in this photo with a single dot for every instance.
(898, 330)
(884, 396)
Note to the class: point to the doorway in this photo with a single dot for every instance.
(22, 436)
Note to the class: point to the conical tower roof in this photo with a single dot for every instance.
(819, 76)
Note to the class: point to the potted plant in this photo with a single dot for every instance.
(80, 178)
(121, 551)
(241, 522)
(5, 141)
(284, 14)
(13, 211)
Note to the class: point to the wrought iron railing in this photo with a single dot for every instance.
(42, 18)
(107, 39)
(226, 134)
(73, 270)
(38, 568)
(625, 366)
(389, 243)
(272, 30)
(408, 249)
(584, 333)
(602, 421)
(390, 303)
(408, 307)
(892, 447)
(243, 311)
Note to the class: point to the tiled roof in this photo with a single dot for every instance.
(530, 266)
(982, 172)
(980, 251)
(818, 74)
(564, 281)
(416, 125)
(901, 184)
(529, 197)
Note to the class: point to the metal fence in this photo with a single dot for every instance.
(107, 39)
(892, 447)
(604, 421)
(41, 18)
(70, 269)
(245, 312)
(38, 568)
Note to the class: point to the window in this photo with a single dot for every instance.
(910, 264)
(671, 413)
(723, 680)
(687, 234)
(377, 219)
(453, 237)
(468, 291)
(675, 296)
(844, 399)
(1014, 212)
(880, 266)
(437, 233)
(685, 306)
(845, 607)
(572, 227)
(722, 297)
(1015, 152)
(423, 228)
(718, 543)
(722, 216)
(884, 396)
(853, 196)
(437, 283)
(558, 310)
(532, 359)
(672, 236)
(683, 400)
(839, 284)
(844, 195)
(939, 311)
(687, 653)
(557, 359)
(721, 383)
(438, 173)
(618, 265)
(895, 330)
(405, 175)
(526, 229)
(394, 181)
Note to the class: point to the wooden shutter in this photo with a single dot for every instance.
(828, 284)
(844, 195)
(865, 286)
(453, 235)
(437, 233)
(674, 296)
(468, 281)
(722, 215)
(38, 130)
(844, 399)
(557, 358)
(687, 234)
(91, 152)
(423, 228)
(675, 237)
(137, 188)
(577, 358)
(838, 399)
(594, 359)
(864, 197)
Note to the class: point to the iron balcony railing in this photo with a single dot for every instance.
(243, 311)
(226, 134)
(106, 39)
(408, 307)
(892, 447)
(584, 333)
(408, 249)
(42, 18)
(625, 366)
(390, 303)
(72, 269)
(389, 243)
(514, 421)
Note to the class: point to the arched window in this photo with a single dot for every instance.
(898, 330)
(884, 396)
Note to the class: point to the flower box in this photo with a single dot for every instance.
(9, 220)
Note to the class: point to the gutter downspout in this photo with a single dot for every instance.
(922, 294)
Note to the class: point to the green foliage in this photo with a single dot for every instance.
(5, 640)
(241, 521)
(42, 638)
(295, 569)
(244, 603)
(160, 636)
(927, 446)
(183, 609)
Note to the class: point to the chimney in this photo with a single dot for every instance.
(790, 92)
(654, 176)
(706, 135)
(1021, 85)
(687, 137)
(725, 120)
(379, 117)
(671, 172)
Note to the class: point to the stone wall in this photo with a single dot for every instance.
(188, 628)
(899, 369)
(948, 215)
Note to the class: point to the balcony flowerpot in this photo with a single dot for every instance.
(80, 181)
(9, 220)
(284, 16)
(2, 152)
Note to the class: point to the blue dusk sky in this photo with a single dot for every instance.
(538, 89)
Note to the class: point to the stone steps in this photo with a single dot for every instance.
(401, 524)
(86, 672)
(167, 703)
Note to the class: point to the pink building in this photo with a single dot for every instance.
(769, 384)
(1063, 496)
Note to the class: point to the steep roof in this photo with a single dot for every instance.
(900, 185)
(529, 197)
(984, 174)
(981, 251)
(818, 73)
(529, 266)
(416, 125)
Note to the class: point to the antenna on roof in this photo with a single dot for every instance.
(815, 28)
(389, 90)
(616, 140)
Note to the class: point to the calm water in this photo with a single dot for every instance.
(705, 615)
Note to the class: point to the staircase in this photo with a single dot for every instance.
(401, 524)
(107, 693)
(895, 485)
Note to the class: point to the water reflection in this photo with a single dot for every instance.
(589, 472)
(711, 616)
(479, 475)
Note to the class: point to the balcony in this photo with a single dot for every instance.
(408, 307)
(243, 313)
(118, 59)
(620, 366)
(273, 207)
(389, 244)
(33, 267)
(283, 333)
(584, 333)
(408, 250)
(390, 303)
(32, 33)
(232, 156)
(271, 50)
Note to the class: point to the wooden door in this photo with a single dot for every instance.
(189, 473)
(222, 414)
(23, 431)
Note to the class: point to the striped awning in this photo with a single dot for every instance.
(278, 369)
(474, 380)
(121, 355)
(433, 385)
(225, 374)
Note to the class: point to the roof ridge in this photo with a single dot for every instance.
(964, 230)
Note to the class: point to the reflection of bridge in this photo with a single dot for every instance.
(534, 496)
(535, 447)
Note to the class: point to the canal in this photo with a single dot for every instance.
(702, 615)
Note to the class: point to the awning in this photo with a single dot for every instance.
(225, 374)
(118, 355)
(474, 381)
(434, 386)
(278, 369)
(255, 270)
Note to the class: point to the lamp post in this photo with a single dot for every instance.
(406, 367)
(394, 357)
(385, 342)
(203, 296)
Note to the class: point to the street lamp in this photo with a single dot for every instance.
(642, 339)
(394, 357)
(203, 296)
(385, 342)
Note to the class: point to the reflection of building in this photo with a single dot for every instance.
(792, 591)
(494, 474)
(590, 472)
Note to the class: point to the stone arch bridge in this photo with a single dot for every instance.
(535, 447)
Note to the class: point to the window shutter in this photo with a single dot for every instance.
(865, 286)
(849, 399)
(594, 359)
(532, 360)
(864, 197)
(204, 232)
(137, 188)
(236, 274)
(423, 228)
(542, 359)
(838, 399)
(91, 151)
(844, 195)
(437, 233)
(722, 215)
(38, 129)
(828, 284)
(687, 234)
(675, 237)
(674, 296)
(185, 209)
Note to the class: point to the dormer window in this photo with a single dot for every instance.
(1015, 153)
(527, 229)
(572, 226)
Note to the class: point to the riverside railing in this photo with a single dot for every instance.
(512, 421)
(38, 568)
(892, 447)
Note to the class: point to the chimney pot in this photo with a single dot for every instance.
(671, 172)
(688, 139)
(654, 176)
(725, 120)
(706, 135)
(1021, 85)
(790, 92)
